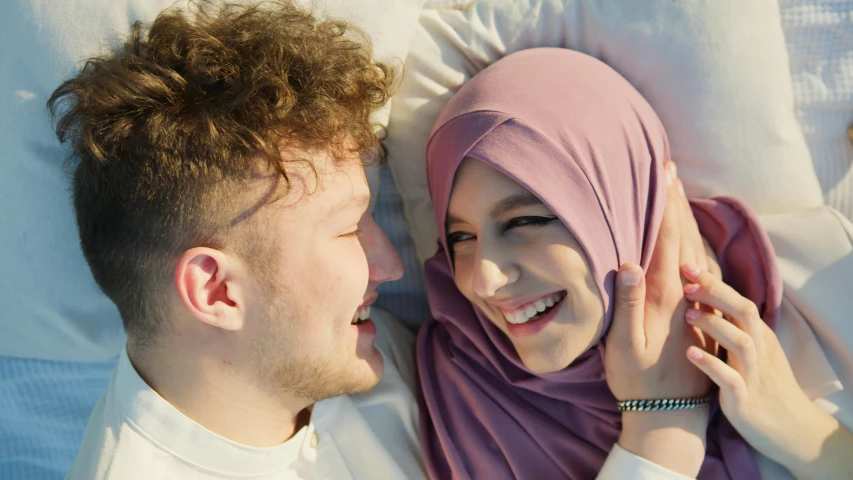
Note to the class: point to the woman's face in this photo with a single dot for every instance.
(517, 262)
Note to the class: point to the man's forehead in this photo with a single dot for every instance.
(350, 184)
(317, 183)
(332, 187)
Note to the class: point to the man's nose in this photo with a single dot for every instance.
(383, 261)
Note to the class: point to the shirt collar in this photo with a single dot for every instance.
(161, 423)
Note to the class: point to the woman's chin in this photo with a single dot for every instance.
(546, 362)
(541, 359)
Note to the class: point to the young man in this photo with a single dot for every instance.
(222, 205)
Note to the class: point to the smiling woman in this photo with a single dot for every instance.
(547, 174)
(522, 268)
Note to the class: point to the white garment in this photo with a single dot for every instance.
(136, 434)
(622, 465)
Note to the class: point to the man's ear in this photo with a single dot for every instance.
(211, 286)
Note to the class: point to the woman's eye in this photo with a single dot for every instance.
(353, 234)
(528, 222)
(457, 237)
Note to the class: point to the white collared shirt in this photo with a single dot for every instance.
(136, 434)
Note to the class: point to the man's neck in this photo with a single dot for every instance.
(216, 394)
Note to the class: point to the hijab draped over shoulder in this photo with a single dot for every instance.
(577, 135)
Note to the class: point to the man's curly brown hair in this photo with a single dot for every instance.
(166, 129)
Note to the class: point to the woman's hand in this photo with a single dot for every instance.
(758, 391)
(644, 355)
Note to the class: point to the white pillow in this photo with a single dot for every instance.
(819, 35)
(52, 308)
(715, 72)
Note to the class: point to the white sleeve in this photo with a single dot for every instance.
(622, 464)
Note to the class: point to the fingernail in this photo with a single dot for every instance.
(629, 278)
(681, 188)
(694, 353)
(671, 169)
(691, 288)
(669, 176)
(692, 314)
(691, 270)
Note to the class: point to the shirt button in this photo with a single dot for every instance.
(315, 440)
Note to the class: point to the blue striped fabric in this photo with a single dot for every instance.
(405, 298)
(44, 407)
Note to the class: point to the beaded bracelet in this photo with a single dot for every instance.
(664, 404)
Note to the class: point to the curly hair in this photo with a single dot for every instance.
(164, 128)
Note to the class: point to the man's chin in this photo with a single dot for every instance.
(370, 367)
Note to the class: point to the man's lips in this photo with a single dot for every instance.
(369, 300)
(362, 313)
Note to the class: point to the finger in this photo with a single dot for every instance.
(692, 243)
(714, 268)
(740, 345)
(665, 257)
(627, 329)
(690, 230)
(671, 171)
(727, 378)
(711, 258)
(687, 255)
(705, 288)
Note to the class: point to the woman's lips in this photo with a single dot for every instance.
(531, 309)
(534, 325)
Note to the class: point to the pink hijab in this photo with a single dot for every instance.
(576, 134)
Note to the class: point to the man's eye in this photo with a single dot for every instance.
(528, 222)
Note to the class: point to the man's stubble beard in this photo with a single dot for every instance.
(311, 379)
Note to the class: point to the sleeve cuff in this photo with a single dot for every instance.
(622, 464)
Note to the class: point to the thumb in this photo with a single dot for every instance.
(627, 330)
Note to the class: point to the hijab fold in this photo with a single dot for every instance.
(577, 135)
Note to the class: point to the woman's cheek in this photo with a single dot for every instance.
(462, 277)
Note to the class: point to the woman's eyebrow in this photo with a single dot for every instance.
(518, 200)
(523, 199)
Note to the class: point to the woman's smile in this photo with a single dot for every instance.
(531, 317)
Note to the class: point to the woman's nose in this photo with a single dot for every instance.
(491, 274)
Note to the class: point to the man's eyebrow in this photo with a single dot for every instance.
(358, 202)
(523, 199)
(362, 201)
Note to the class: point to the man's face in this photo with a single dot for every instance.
(327, 257)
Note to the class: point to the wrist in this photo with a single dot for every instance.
(803, 442)
(671, 439)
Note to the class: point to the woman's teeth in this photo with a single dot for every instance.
(362, 314)
(532, 310)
